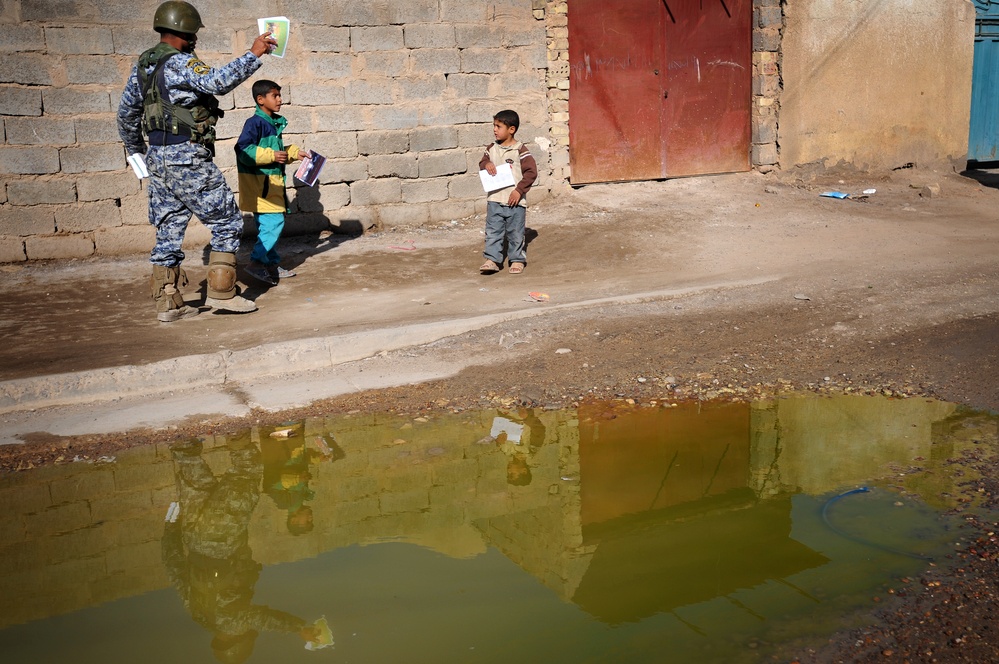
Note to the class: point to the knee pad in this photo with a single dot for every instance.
(221, 275)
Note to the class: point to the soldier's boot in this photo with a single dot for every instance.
(165, 285)
(222, 285)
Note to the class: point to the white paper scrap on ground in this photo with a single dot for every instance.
(502, 179)
(138, 163)
(512, 430)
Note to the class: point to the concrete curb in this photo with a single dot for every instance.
(277, 359)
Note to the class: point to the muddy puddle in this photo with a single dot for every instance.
(707, 532)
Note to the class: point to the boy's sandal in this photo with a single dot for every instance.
(516, 268)
(489, 267)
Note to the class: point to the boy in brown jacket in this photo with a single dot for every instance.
(506, 208)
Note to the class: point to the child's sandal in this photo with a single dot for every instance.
(516, 268)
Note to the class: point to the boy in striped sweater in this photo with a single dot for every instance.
(506, 209)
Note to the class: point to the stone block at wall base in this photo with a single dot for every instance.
(43, 247)
(410, 214)
(12, 250)
(124, 241)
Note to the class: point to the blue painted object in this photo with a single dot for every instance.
(983, 135)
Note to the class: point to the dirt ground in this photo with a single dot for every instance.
(724, 287)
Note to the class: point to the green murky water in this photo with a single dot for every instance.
(699, 533)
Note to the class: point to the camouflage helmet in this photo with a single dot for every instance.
(177, 16)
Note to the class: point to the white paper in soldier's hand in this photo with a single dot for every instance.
(502, 179)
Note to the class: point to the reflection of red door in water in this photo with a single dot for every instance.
(659, 88)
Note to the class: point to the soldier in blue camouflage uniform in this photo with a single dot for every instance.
(170, 97)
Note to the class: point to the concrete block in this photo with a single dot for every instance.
(462, 11)
(506, 85)
(41, 192)
(423, 139)
(354, 220)
(479, 35)
(383, 63)
(97, 130)
(380, 38)
(436, 60)
(93, 158)
(79, 40)
(452, 209)
(393, 117)
(426, 35)
(485, 60)
(766, 39)
(442, 162)
(20, 101)
(26, 69)
(469, 86)
(382, 13)
(327, 197)
(134, 210)
(764, 155)
(425, 191)
(12, 250)
(20, 37)
(87, 217)
(340, 118)
(329, 65)
(423, 87)
(475, 135)
(466, 186)
(26, 220)
(369, 91)
(393, 165)
(132, 40)
(353, 170)
(444, 113)
(72, 101)
(324, 39)
(91, 69)
(376, 192)
(768, 17)
(28, 161)
(125, 241)
(411, 214)
(47, 247)
(320, 95)
(333, 144)
(528, 34)
(382, 142)
(482, 111)
(40, 131)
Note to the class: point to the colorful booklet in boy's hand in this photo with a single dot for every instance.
(279, 27)
(310, 168)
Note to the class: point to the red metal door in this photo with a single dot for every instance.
(708, 93)
(615, 111)
(658, 88)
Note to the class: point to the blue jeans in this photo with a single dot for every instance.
(269, 227)
(505, 223)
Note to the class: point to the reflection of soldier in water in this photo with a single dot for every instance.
(511, 433)
(207, 554)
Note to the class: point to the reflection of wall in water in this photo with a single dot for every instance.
(820, 445)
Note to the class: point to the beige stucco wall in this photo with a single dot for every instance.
(876, 83)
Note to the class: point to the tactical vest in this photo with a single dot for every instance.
(159, 114)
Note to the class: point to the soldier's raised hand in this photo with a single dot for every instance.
(263, 44)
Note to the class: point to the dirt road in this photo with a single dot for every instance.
(727, 286)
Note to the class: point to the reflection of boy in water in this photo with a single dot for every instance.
(286, 477)
(207, 555)
(518, 472)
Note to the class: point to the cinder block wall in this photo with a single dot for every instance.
(398, 94)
